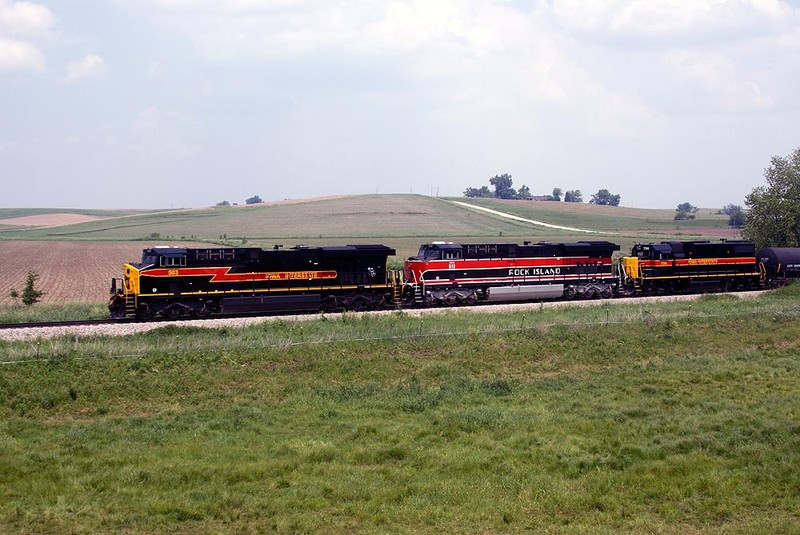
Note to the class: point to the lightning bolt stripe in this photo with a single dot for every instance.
(223, 274)
(698, 262)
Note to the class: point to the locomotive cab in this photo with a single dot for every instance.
(439, 251)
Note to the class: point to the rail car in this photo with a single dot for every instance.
(690, 266)
(172, 282)
(779, 265)
(452, 273)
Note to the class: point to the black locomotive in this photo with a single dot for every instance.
(174, 281)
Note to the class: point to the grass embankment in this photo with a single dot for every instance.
(52, 312)
(667, 419)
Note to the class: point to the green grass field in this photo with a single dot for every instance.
(672, 418)
(608, 218)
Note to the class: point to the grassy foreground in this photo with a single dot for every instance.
(661, 421)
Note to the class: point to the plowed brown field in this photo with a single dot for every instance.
(68, 271)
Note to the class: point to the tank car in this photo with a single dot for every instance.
(779, 265)
(690, 266)
(454, 273)
(174, 281)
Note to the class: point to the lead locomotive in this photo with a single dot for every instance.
(174, 281)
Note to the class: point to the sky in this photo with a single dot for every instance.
(186, 103)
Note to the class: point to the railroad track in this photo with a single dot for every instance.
(68, 323)
(135, 321)
(482, 307)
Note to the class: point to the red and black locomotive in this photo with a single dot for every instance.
(452, 273)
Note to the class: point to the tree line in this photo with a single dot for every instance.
(503, 189)
(255, 199)
(771, 217)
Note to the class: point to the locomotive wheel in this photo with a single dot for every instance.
(144, 312)
(451, 299)
(202, 311)
(360, 304)
(569, 293)
(330, 304)
(173, 312)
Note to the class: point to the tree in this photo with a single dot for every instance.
(502, 186)
(605, 197)
(255, 199)
(685, 211)
(478, 192)
(524, 193)
(30, 295)
(502, 189)
(736, 216)
(728, 209)
(223, 203)
(573, 195)
(773, 218)
(557, 194)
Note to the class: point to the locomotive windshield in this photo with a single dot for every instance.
(439, 251)
(428, 252)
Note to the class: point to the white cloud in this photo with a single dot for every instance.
(718, 76)
(19, 55)
(22, 24)
(467, 58)
(25, 18)
(672, 17)
(88, 66)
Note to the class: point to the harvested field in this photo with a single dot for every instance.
(68, 271)
(49, 220)
(729, 233)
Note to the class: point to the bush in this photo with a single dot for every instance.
(30, 295)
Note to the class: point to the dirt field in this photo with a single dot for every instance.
(68, 271)
(49, 220)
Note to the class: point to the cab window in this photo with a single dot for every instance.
(172, 261)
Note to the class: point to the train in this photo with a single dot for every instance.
(172, 282)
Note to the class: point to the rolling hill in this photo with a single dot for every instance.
(375, 217)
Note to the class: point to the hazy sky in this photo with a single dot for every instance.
(184, 103)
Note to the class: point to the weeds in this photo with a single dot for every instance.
(672, 424)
